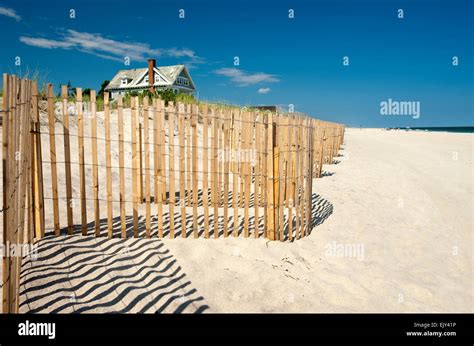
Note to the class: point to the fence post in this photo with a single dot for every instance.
(161, 194)
(246, 168)
(135, 163)
(188, 135)
(82, 173)
(205, 169)
(147, 167)
(309, 187)
(140, 157)
(123, 225)
(181, 163)
(282, 140)
(214, 169)
(95, 164)
(171, 148)
(6, 183)
(67, 159)
(256, 167)
(226, 158)
(270, 176)
(321, 158)
(194, 122)
(37, 181)
(235, 176)
(52, 150)
(291, 178)
(108, 159)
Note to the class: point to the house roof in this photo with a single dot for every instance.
(170, 73)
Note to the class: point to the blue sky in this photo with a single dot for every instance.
(283, 61)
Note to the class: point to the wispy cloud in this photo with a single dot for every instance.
(264, 90)
(242, 78)
(107, 48)
(45, 43)
(9, 12)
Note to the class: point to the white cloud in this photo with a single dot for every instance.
(242, 78)
(45, 43)
(107, 48)
(9, 12)
(264, 90)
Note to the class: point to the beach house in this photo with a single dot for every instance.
(175, 78)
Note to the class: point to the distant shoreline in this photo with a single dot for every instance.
(455, 129)
(451, 129)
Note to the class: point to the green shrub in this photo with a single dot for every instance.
(185, 98)
(167, 95)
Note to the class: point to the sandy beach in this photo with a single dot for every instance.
(394, 222)
(398, 198)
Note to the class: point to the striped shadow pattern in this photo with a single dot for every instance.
(76, 274)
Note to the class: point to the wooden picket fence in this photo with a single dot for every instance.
(21, 161)
(194, 170)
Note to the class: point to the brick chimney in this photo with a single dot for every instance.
(151, 74)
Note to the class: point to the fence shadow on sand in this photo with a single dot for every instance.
(320, 211)
(75, 274)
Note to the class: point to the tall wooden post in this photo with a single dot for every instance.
(270, 179)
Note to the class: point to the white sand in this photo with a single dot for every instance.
(403, 200)
(401, 196)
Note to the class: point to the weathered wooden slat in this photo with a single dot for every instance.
(135, 163)
(123, 215)
(226, 158)
(146, 154)
(108, 163)
(270, 205)
(161, 105)
(8, 181)
(214, 165)
(247, 134)
(235, 177)
(52, 151)
(161, 174)
(187, 124)
(181, 154)
(205, 170)
(172, 199)
(95, 165)
(194, 122)
(140, 194)
(82, 173)
(291, 178)
(256, 166)
(67, 159)
(37, 161)
(281, 176)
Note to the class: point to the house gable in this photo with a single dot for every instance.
(142, 80)
(183, 79)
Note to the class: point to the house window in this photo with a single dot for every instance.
(146, 79)
(157, 78)
(182, 81)
(124, 81)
